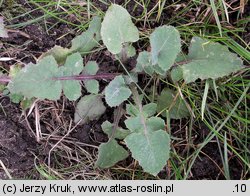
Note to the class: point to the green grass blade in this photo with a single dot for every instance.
(214, 9)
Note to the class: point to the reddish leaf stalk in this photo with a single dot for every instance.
(88, 77)
(7, 79)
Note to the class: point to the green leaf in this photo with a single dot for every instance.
(116, 92)
(58, 52)
(92, 86)
(72, 89)
(165, 46)
(39, 80)
(72, 66)
(155, 123)
(151, 150)
(14, 69)
(135, 124)
(3, 31)
(181, 57)
(132, 110)
(127, 52)
(91, 68)
(110, 153)
(36, 80)
(117, 29)
(26, 103)
(130, 51)
(144, 63)
(16, 98)
(148, 109)
(89, 39)
(83, 43)
(209, 60)
(148, 143)
(2, 88)
(176, 74)
(90, 107)
(159, 70)
(178, 108)
(131, 78)
(120, 133)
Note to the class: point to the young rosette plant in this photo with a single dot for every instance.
(145, 135)
(60, 70)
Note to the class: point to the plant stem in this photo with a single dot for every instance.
(118, 113)
(5, 79)
(88, 77)
(137, 100)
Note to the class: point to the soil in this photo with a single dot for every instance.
(18, 145)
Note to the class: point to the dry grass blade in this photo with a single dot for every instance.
(216, 16)
(38, 125)
(5, 170)
(242, 5)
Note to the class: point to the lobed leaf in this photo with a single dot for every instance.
(72, 66)
(148, 142)
(92, 86)
(148, 109)
(155, 123)
(82, 43)
(209, 60)
(116, 92)
(118, 29)
(120, 133)
(36, 80)
(110, 153)
(89, 39)
(59, 53)
(176, 72)
(71, 89)
(135, 124)
(151, 150)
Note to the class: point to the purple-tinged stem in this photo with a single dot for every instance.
(5, 79)
(88, 77)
